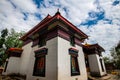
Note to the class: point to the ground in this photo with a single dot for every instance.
(12, 77)
(111, 77)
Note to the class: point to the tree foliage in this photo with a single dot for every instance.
(12, 39)
(107, 60)
(4, 33)
(9, 39)
(115, 53)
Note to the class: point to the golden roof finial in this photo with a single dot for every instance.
(86, 44)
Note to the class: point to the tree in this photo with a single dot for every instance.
(106, 60)
(12, 39)
(8, 40)
(4, 33)
(115, 53)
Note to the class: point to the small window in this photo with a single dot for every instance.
(39, 68)
(102, 65)
(40, 61)
(74, 62)
(74, 66)
(72, 41)
(42, 41)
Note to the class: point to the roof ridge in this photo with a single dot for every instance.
(46, 18)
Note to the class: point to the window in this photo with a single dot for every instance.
(39, 68)
(42, 41)
(102, 65)
(74, 66)
(72, 41)
(40, 61)
(74, 62)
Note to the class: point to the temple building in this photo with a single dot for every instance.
(54, 50)
(94, 60)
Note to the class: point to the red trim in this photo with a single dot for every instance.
(57, 31)
(73, 27)
(26, 42)
(78, 42)
(94, 46)
(92, 49)
(35, 42)
(52, 34)
(50, 19)
(42, 25)
(39, 50)
(63, 34)
(74, 49)
(15, 52)
(15, 49)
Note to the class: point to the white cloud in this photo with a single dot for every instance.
(107, 35)
(77, 11)
(25, 6)
(11, 17)
(104, 34)
(112, 12)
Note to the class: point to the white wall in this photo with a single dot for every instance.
(64, 67)
(95, 66)
(93, 63)
(51, 62)
(58, 62)
(13, 65)
(20, 64)
(102, 72)
(25, 57)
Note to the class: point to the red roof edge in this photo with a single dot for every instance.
(42, 22)
(74, 27)
(47, 20)
(93, 45)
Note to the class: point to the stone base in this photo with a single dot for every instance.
(95, 74)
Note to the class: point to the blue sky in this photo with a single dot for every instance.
(99, 19)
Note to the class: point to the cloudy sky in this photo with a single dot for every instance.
(99, 19)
